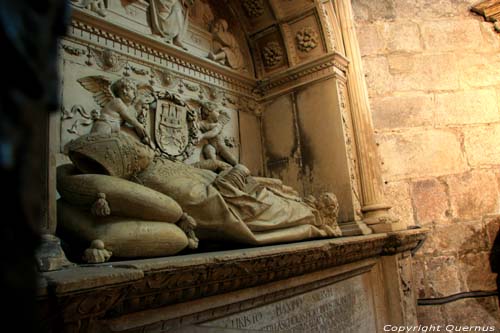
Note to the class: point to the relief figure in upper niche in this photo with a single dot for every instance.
(97, 6)
(169, 19)
(225, 46)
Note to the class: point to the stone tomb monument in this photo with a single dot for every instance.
(212, 168)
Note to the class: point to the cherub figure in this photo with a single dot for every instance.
(211, 124)
(116, 101)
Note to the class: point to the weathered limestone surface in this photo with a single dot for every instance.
(421, 153)
(403, 110)
(433, 75)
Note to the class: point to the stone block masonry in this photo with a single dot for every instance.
(433, 76)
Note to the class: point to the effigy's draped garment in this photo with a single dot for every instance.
(224, 209)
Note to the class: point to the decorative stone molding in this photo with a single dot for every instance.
(76, 51)
(490, 10)
(91, 30)
(397, 242)
(346, 111)
(327, 66)
(97, 6)
(327, 22)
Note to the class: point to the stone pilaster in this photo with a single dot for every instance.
(374, 208)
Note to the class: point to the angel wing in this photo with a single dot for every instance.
(99, 86)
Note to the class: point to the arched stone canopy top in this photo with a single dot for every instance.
(270, 36)
(283, 34)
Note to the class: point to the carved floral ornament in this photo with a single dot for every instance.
(253, 8)
(306, 39)
(272, 53)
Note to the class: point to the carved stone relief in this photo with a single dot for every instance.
(76, 51)
(269, 52)
(351, 152)
(306, 39)
(303, 39)
(175, 128)
(96, 6)
(211, 125)
(225, 49)
(331, 27)
(174, 122)
(170, 19)
(272, 53)
(109, 153)
(253, 8)
(108, 60)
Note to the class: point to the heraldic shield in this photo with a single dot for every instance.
(174, 130)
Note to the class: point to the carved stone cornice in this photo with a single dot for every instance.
(397, 242)
(92, 30)
(119, 288)
(327, 66)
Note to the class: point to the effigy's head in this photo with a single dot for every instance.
(115, 154)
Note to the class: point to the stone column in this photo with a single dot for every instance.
(374, 208)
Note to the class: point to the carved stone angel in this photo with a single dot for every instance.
(211, 124)
(116, 101)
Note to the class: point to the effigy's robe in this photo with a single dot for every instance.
(138, 205)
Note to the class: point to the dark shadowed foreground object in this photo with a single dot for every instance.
(29, 31)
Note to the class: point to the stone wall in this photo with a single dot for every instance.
(433, 75)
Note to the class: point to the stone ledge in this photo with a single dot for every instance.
(119, 288)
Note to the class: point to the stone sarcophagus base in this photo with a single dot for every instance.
(352, 284)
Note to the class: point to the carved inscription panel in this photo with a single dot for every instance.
(346, 306)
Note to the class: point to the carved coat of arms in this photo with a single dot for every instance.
(175, 128)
